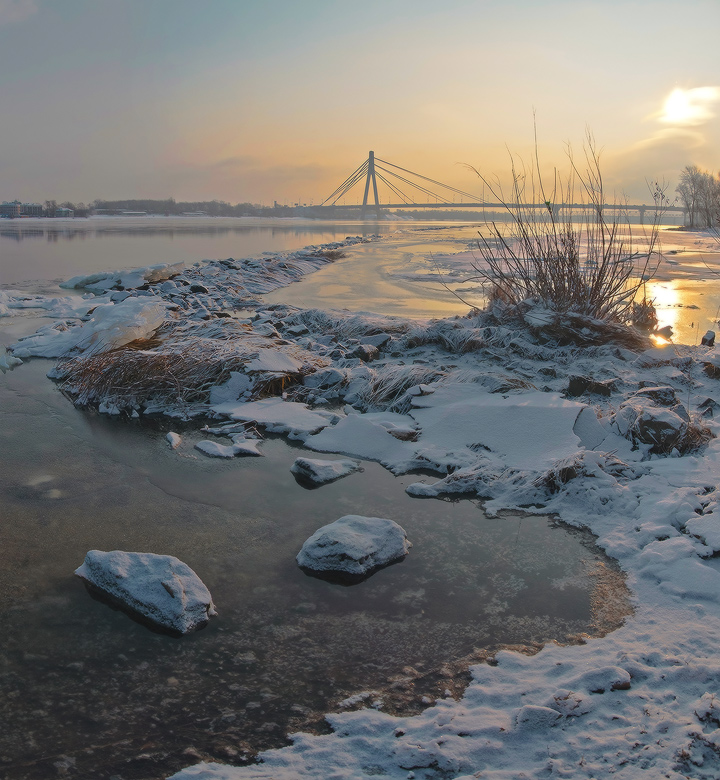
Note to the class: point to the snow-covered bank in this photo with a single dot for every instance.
(498, 409)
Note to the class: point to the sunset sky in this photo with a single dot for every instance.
(249, 100)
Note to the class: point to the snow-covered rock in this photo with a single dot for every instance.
(159, 589)
(643, 423)
(174, 440)
(325, 378)
(354, 545)
(320, 472)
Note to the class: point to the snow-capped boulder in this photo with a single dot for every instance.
(325, 378)
(320, 472)
(531, 717)
(158, 589)
(662, 395)
(378, 340)
(366, 352)
(354, 545)
(640, 421)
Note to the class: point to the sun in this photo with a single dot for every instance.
(677, 108)
(689, 106)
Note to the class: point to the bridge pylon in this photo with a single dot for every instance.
(370, 177)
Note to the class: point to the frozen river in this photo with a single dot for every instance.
(85, 684)
(410, 272)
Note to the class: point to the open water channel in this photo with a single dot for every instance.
(89, 693)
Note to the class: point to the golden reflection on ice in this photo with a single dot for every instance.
(666, 298)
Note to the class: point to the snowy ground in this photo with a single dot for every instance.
(497, 410)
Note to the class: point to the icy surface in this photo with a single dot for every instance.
(529, 431)
(129, 278)
(277, 415)
(159, 588)
(321, 471)
(240, 446)
(110, 326)
(8, 362)
(354, 545)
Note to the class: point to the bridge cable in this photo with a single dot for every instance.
(400, 194)
(416, 186)
(350, 182)
(432, 181)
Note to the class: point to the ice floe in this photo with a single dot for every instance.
(110, 326)
(319, 472)
(278, 416)
(240, 446)
(127, 279)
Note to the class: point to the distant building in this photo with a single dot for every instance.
(10, 209)
(13, 209)
(63, 212)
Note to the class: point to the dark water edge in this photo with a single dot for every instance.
(90, 693)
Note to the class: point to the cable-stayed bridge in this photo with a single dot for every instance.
(414, 191)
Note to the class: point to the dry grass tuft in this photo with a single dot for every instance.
(333, 254)
(387, 388)
(182, 373)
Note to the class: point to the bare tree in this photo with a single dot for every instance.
(692, 181)
(709, 200)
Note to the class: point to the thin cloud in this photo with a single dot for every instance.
(13, 11)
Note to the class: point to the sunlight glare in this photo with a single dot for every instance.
(689, 106)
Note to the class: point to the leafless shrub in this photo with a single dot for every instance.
(589, 267)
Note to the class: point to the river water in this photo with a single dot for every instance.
(90, 692)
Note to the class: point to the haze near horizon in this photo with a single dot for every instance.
(243, 101)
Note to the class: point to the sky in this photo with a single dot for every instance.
(257, 101)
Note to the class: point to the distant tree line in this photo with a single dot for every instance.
(213, 208)
(699, 194)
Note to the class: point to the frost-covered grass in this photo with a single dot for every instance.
(178, 370)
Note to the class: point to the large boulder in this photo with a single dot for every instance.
(156, 589)
(354, 547)
(579, 385)
(640, 421)
(662, 395)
